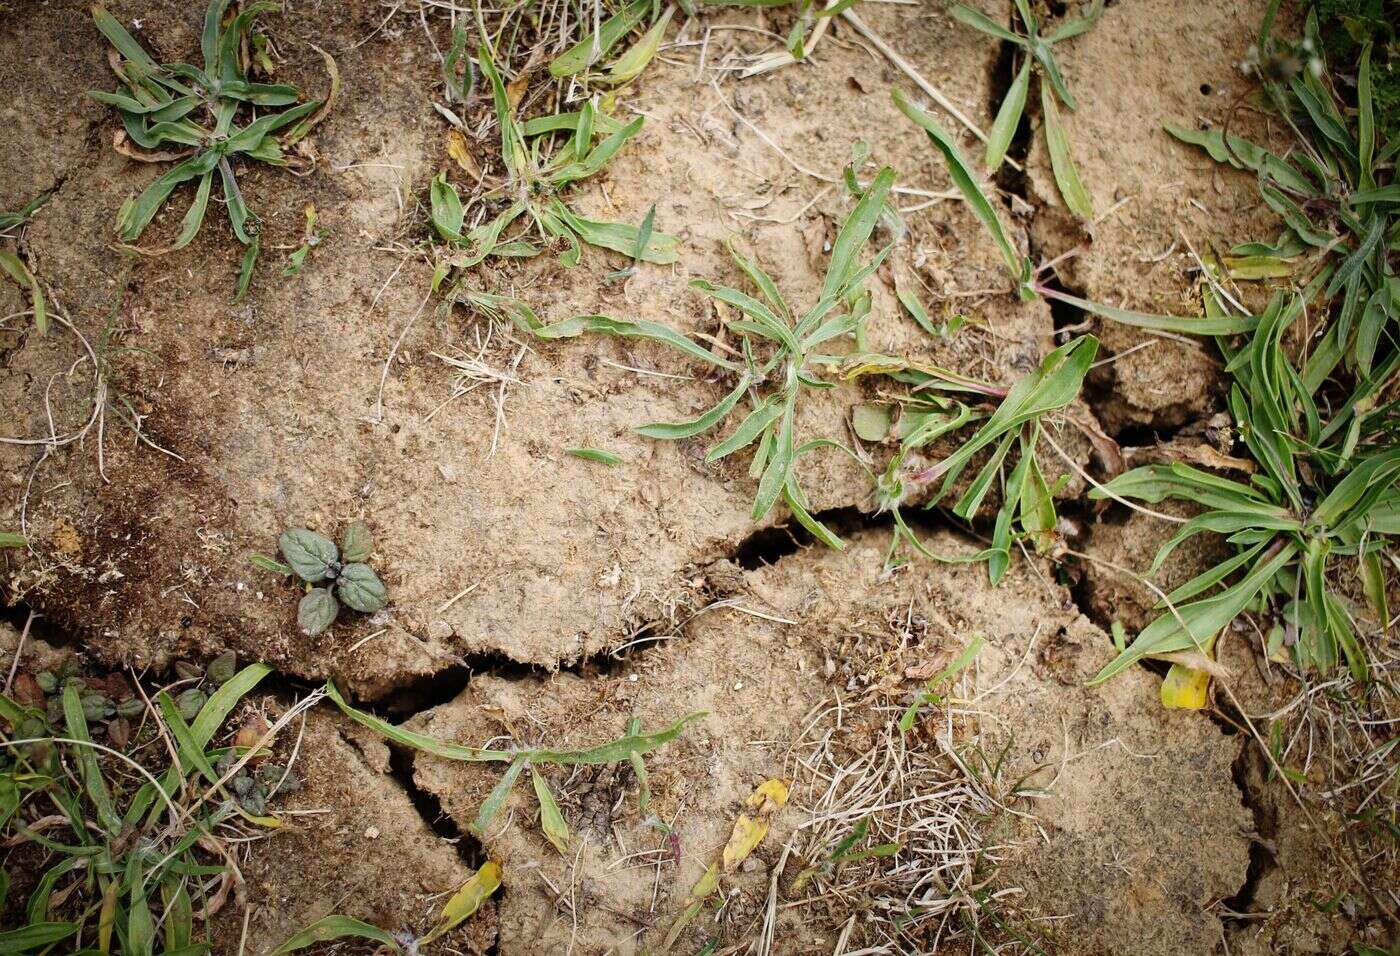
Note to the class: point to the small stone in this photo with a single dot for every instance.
(440, 630)
(372, 833)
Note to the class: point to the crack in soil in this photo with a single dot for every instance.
(1246, 771)
(1249, 773)
(429, 807)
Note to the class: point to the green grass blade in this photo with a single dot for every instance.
(245, 270)
(639, 770)
(329, 928)
(1061, 163)
(1365, 117)
(1385, 194)
(415, 740)
(595, 46)
(497, 797)
(780, 459)
(854, 233)
(674, 431)
(660, 248)
(35, 936)
(615, 750)
(632, 62)
(792, 495)
(980, 21)
(640, 329)
(1359, 256)
(133, 219)
(595, 454)
(111, 28)
(191, 753)
(1240, 153)
(1189, 324)
(963, 178)
(1212, 576)
(1075, 26)
(14, 267)
(88, 768)
(1052, 73)
(753, 425)
(1008, 117)
(568, 122)
(1204, 619)
(512, 143)
(775, 328)
(762, 281)
(194, 217)
(556, 831)
(960, 663)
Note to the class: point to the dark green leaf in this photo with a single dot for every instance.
(316, 611)
(311, 555)
(360, 588)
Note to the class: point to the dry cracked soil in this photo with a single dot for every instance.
(548, 599)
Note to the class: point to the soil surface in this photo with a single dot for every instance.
(547, 599)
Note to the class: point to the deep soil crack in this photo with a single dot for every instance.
(1249, 771)
(430, 809)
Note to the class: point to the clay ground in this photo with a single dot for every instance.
(594, 594)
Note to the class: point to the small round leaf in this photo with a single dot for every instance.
(871, 421)
(357, 542)
(361, 588)
(309, 553)
(317, 611)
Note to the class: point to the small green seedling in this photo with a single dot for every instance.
(1027, 511)
(311, 238)
(845, 851)
(1036, 51)
(780, 358)
(195, 112)
(1339, 200)
(329, 573)
(537, 173)
(13, 266)
(628, 748)
(123, 849)
(779, 351)
(1325, 497)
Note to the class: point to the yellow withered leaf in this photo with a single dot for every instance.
(768, 796)
(457, 149)
(467, 900)
(1185, 687)
(749, 831)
